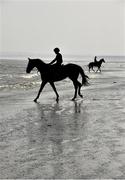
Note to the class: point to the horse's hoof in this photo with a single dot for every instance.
(35, 100)
(81, 95)
(73, 99)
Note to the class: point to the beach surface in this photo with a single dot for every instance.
(82, 139)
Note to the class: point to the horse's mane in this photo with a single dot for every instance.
(40, 61)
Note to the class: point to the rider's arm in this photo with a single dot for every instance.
(52, 61)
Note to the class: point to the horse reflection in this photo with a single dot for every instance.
(77, 106)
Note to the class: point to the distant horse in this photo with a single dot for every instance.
(52, 73)
(96, 64)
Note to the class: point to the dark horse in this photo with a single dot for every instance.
(50, 73)
(96, 64)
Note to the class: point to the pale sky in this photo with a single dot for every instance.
(80, 27)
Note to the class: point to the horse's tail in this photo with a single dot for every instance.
(84, 77)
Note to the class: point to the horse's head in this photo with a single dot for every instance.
(38, 63)
(103, 60)
(30, 65)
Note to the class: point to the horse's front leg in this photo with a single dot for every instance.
(41, 88)
(54, 88)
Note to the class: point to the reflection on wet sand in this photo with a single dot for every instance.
(56, 133)
(78, 106)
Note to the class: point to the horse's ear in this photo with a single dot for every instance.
(29, 59)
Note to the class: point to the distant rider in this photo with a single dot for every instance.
(95, 60)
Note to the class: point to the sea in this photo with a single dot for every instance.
(13, 74)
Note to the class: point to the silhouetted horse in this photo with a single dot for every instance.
(96, 64)
(50, 73)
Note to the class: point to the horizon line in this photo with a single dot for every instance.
(68, 56)
(24, 55)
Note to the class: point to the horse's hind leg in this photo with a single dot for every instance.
(76, 87)
(79, 92)
(99, 69)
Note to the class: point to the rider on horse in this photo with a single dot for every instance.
(95, 60)
(58, 59)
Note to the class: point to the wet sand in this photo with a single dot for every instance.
(84, 139)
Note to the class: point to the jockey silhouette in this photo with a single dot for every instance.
(58, 59)
(95, 60)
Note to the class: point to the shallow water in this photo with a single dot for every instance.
(13, 75)
(13, 72)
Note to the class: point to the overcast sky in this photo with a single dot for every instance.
(85, 27)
